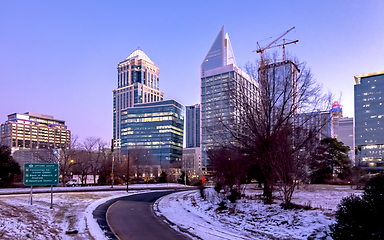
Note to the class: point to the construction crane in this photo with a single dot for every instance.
(261, 50)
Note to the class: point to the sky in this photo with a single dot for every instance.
(60, 58)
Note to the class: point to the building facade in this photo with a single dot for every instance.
(369, 111)
(34, 137)
(336, 116)
(346, 135)
(137, 82)
(191, 162)
(192, 125)
(220, 78)
(157, 127)
(331, 124)
(34, 131)
(319, 122)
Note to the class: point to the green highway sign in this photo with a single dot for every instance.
(36, 174)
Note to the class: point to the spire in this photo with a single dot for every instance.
(139, 54)
(229, 56)
(220, 54)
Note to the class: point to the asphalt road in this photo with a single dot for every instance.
(132, 218)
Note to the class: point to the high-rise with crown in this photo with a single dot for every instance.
(142, 120)
(137, 82)
(221, 81)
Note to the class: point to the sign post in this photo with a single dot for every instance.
(41, 174)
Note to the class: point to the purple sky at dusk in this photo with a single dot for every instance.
(60, 57)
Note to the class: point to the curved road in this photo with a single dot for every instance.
(132, 217)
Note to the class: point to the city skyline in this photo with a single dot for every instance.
(59, 58)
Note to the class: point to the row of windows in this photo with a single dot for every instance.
(153, 119)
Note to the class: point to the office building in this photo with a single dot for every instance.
(192, 125)
(330, 124)
(34, 131)
(346, 135)
(318, 122)
(369, 113)
(220, 77)
(157, 127)
(137, 82)
(34, 137)
(336, 115)
(191, 162)
(281, 77)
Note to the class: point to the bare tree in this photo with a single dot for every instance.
(94, 150)
(140, 160)
(91, 157)
(63, 156)
(273, 127)
(230, 168)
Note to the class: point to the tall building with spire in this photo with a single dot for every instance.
(137, 82)
(219, 74)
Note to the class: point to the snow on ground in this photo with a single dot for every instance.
(249, 218)
(71, 211)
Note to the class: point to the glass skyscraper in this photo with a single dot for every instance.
(156, 126)
(192, 125)
(369, 121)
(219, 76)
(137, 82)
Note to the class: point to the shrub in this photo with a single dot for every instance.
(201, 188)
(358, 217)
(218, 187)
(235, 194)
(222, 206)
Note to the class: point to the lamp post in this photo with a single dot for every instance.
(127, 169)
(113, 162)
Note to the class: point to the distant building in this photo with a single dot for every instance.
(346, 135)
(318, 121)
(191, 162)
(137, 82)
(192, 125)
(34, 131)
(279, 73)
(157, 127)
(369, 113)
(30, 135)
(336, 115)
(331, 124)
(219, 77)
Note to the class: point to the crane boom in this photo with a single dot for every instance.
(261, 50)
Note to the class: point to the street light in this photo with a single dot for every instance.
(127, 168)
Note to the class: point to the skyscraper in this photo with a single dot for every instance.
(192, 124)
(219, 74)
(137, 82)
(336, 115)
(369, 111)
